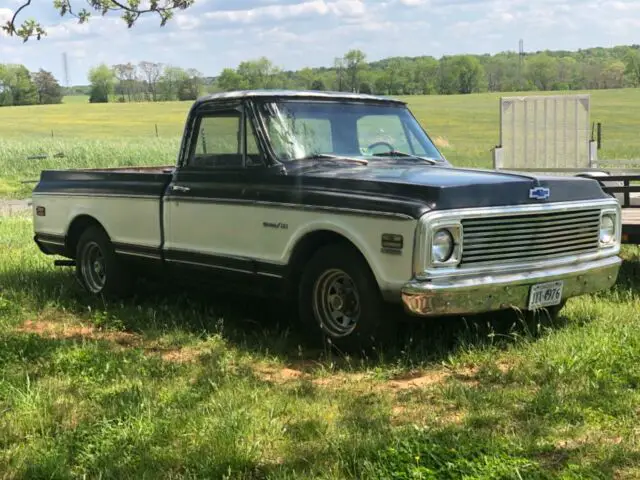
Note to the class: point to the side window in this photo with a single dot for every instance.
(382, 128)
(218, 141)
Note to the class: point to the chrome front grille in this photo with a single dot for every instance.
(529, 237)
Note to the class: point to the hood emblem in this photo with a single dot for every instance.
(539, 193)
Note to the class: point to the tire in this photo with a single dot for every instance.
(98, 268)
(337, 279)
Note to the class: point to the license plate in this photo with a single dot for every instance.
(545, 295)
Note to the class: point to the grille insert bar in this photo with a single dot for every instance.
(537, 236)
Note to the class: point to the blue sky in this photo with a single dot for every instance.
(215, 34)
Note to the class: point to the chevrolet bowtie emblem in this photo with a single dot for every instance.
(539, 193)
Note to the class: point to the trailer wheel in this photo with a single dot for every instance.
(98, 268)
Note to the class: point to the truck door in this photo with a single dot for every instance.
(206, 212)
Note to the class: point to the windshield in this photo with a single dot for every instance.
(302, 129)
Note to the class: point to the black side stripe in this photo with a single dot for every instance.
(220, 262)
(287, 206)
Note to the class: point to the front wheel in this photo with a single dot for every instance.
(97, 266)
(339, 300)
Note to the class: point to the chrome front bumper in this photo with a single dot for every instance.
(480, 294)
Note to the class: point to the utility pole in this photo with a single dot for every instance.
(520, 62)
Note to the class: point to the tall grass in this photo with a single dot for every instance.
(23, 160)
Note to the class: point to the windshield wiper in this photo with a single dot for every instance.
(327, 156)
(395, 153)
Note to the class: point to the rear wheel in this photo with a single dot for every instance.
(339, 300)
(98, 268)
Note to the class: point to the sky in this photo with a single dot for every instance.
(216, 34)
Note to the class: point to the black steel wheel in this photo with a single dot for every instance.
(339, 300)
(98, 268)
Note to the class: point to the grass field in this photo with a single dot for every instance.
(182, 384)
(170, 385)
(124, 134)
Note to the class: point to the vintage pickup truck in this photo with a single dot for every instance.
(340, 202)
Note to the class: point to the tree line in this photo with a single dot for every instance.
(19, 86)
(587, 69)
(593, 68)
(146, 81)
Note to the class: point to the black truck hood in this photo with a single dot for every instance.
(449, 187)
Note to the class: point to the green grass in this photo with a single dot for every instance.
(184, 384)
(124, 134)
(179, 384)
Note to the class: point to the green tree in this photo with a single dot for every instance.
(426, 75)
(102, 80)
(613, 74)
(16, 86)
(229, 79)
(542, 71)
(130, 11)
(169, 83)
(47, 87)
(190, 85)
(460, 74)
(258, 73)
(318, 84)
(632, 67)
(355, 62)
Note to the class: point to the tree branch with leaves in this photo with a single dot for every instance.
(130, 11)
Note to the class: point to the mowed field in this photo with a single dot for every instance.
(182, 383)
(464, 126)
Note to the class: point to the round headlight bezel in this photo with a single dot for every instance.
(442, 246)
(607, 233)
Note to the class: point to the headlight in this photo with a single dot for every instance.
(442, 246)
(607, 229)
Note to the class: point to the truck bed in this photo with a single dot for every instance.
(123, 181)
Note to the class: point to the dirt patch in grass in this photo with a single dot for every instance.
(179, 355)
(67, 331)
(417, 380)
(75, 331)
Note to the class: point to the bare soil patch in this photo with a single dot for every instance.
(74, 331)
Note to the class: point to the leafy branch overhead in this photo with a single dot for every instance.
(130, 10)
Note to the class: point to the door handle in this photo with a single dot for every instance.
(180, 188)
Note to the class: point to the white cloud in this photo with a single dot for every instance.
(5, 16)
(413, 3)
(339, 8)
(214, 34)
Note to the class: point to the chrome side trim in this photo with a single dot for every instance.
(422, 270)
(52, 242)
(137, 254)
(487, 293)
(215, 267)
(220, 267)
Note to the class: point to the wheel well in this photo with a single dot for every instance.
(308, 245)
(76, 229)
